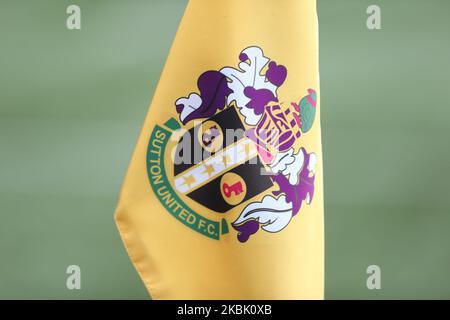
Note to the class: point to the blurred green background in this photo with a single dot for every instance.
(72, 104)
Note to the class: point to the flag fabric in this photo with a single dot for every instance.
(223, 198)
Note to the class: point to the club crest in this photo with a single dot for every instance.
(234, 155)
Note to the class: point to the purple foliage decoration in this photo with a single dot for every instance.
(213, 92)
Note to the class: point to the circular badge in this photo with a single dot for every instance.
(210, 136)
(233, 188)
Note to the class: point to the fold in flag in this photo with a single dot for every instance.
(223, 198)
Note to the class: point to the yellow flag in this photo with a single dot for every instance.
(223, 198)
